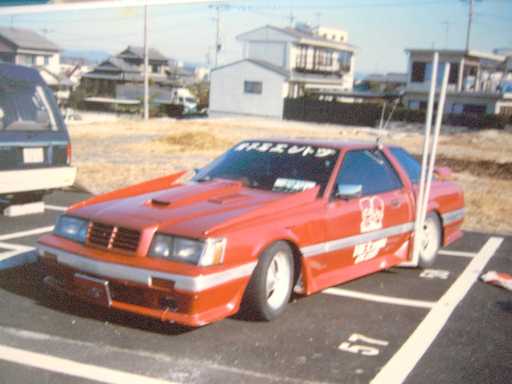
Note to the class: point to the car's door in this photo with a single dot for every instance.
(365, 232)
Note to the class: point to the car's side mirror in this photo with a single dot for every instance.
(348, 191)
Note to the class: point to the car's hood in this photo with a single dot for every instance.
(193, 209)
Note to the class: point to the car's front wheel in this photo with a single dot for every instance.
(270, 287)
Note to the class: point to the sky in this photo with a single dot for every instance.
(380, 29)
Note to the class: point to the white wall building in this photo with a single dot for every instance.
(26, 47)
(279, 63)
(479, 82)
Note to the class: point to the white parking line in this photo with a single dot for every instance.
(73, 368)
(55, 208)
(403, 362)
(15, 247)
(11, 259)
(30, 232)
(7, 255)
(37, 338)
(379, 298)
(447, 252)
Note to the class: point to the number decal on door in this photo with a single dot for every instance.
(363, 345)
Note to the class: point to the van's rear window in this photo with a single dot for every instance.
(25, 108)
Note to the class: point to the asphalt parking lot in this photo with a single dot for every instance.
(402, 325)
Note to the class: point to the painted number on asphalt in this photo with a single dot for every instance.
(363, 345)
(435, 274)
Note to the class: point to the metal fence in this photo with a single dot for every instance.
(304, 109)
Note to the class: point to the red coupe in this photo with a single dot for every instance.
(264, 219)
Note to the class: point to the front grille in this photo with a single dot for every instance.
(126, 239)
(109, 236)
(101, 234)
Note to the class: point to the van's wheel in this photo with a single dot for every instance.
(431, 241)
(270, 287)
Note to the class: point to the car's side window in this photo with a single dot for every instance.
(408, 163)
(371, 170)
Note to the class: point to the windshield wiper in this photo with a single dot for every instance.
(203, 179)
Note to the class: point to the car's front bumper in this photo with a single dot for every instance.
(38, 179)
(187, 300)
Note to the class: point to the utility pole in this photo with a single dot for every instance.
(146, 64)
(217, 19)
(470, 22)
(217, 36)
(291, 18)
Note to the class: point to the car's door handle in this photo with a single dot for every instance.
(395, 203)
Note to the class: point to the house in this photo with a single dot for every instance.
(158, 63)
(478, 82)
(126, 68)
(26, 47)
(278, 63)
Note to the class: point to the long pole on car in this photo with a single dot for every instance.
(437, 131)
(428, 159)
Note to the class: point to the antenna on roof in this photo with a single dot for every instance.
(384, 124)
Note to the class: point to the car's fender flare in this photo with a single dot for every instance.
(288, 236)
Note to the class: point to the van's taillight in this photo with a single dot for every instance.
(69, 152)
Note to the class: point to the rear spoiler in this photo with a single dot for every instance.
(133, 190)
(443, 173)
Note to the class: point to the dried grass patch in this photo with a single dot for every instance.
(488, 203)
(197, 141)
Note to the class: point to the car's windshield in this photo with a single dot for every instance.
(190, 100)
(274, 166)
(25, 107)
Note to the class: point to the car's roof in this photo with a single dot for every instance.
(328, 143)
(20, 73)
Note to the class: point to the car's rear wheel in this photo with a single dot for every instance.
(431, 240)
(270, 287)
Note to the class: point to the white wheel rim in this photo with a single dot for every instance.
(430, 241)
(278, 280)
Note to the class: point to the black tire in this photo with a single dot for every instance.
(259, 302)
(432, 243)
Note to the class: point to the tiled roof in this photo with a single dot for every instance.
(138, 52)
(27, 39)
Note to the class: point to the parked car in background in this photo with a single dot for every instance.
(264, 218)
(183, 96)
(35, 149)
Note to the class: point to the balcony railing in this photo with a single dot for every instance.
(322, 69)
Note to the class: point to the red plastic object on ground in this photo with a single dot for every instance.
(503, 280)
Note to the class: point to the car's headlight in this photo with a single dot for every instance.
(198, 252)
(72, 228)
